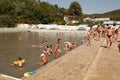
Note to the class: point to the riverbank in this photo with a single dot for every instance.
(83, 63)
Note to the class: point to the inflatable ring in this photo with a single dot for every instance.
(15, 62)
(23, 60)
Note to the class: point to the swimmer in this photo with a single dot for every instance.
(44, 59)
(49, 49)
(74, 44)
(57, 48)
(44, 47)
(19, 63)
(68, 45)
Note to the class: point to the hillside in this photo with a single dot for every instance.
(114, 15)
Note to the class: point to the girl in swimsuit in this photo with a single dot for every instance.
(89, 39)
(57, 48)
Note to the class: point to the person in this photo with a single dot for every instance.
(91, 31)
(57, 48)
(68, 45)
(74, 45)
(109, 34)
(49, 49)
(44, 47)
(116, 32)
(44, 59)
(19, 62)
(89, 39)
(44, 44)
(103, 32)
(83, 41)
(99, 30)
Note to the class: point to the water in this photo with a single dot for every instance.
(19, 44)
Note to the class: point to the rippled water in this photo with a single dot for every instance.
(19, 44)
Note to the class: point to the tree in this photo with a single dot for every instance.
(15, 11)
(76, 10)
(32, 12)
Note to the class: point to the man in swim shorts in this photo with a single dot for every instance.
(109, 35)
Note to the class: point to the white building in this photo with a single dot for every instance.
(69, 19)
(101, 19)
(96, 19)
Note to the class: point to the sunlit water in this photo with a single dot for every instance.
(19, 43)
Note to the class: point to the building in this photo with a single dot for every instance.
(69, 19)
(101, 19)
(96, 19)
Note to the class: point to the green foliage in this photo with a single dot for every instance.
(76, 10)
(32, 12)
(14, 11)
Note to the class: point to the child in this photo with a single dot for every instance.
(57, 50)
(19, 62)
(89, 39)
(44, 59)
(49, 49)
(82, 41)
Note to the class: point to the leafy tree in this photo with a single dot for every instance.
(14, 10)
(31, 12)
(76, 10)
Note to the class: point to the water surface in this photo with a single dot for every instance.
(19, 44)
